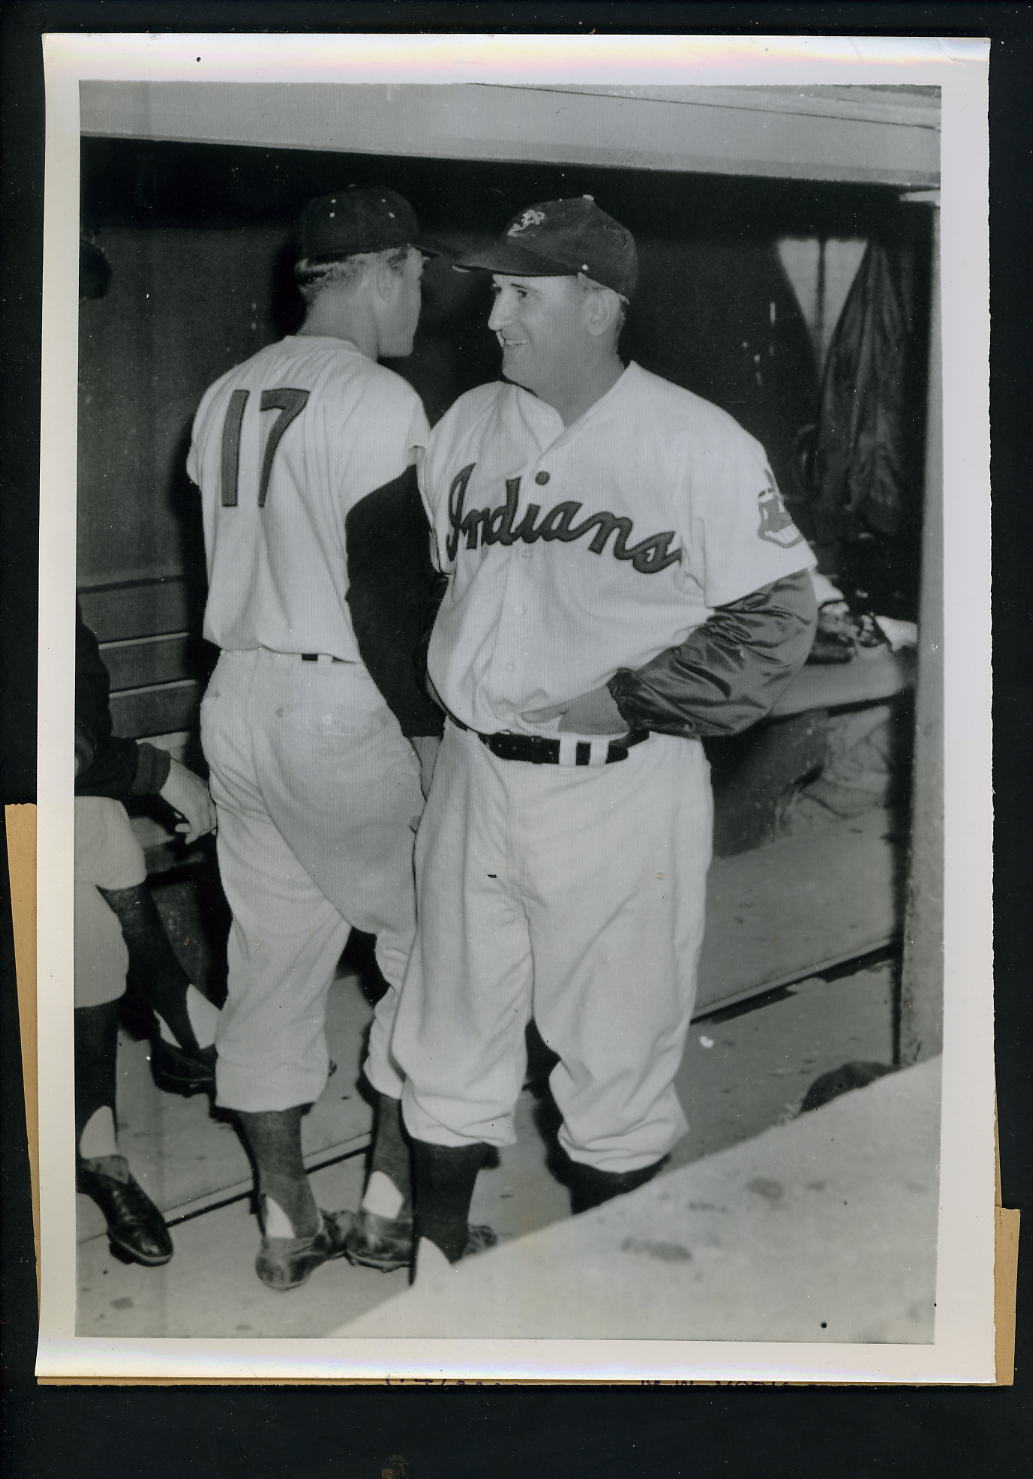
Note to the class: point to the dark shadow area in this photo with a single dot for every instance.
(843, 1080)
(184, 502)
(193, 909)
(360, 956)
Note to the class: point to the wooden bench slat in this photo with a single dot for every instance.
(142, 609)
(161, 660)
(863, 680)
(154, 711)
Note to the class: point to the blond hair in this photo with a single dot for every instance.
(314, 274)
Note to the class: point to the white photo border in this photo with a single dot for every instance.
(963, 1348)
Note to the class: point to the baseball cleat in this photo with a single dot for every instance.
(287, 1263)
(179, 1072)
(378, 1242)
(479, 1238)
(386, 1243)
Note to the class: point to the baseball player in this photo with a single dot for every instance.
(118, 928)
(623, 580)
(303, 456)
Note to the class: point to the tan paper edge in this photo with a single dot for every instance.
(1006, 1264)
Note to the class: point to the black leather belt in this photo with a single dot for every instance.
(315, 657)
(539, 749)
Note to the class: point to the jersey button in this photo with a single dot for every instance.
(510, 667)
(541, 478)
(519, 610)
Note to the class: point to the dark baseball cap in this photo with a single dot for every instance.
(358, 219)
(560, 238)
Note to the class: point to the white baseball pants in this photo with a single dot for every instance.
(316, 791)
(573, 895)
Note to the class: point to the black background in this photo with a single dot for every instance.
(495, 1432)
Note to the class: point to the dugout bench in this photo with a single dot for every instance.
(149, 632)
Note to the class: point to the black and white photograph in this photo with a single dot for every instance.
(502, 870)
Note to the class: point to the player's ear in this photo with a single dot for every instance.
(386, 282)
(601, 310)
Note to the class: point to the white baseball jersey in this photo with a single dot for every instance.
(314, 783)
(574, 551)
(283, 446)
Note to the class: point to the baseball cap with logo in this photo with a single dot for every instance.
(359, 219)
(560, 238)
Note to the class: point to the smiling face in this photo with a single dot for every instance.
(541, 324)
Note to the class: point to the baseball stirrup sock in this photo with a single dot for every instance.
(388, 1190)
(274, 1140)
(203, 1018)
(99, 1138)
(153, 967)
(443, 1183)
(590, 1187)
(95, 1033)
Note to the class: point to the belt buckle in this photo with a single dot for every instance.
(540, 749)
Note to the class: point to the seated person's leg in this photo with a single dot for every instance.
(135, 1225)
(109, 856)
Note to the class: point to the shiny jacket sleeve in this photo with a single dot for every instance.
(728, 672)
(393, 595)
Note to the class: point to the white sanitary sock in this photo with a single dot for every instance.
(99, 1137)
(275, 1222)
(382, 1196)
(429, 1261)
(204, 1019)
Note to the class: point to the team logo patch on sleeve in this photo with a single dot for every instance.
(776, 524)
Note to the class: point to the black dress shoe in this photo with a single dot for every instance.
(135, 1226)
(181, 1072)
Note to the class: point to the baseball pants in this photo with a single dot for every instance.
(316, 791)
(107, 855)
(573, 895)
